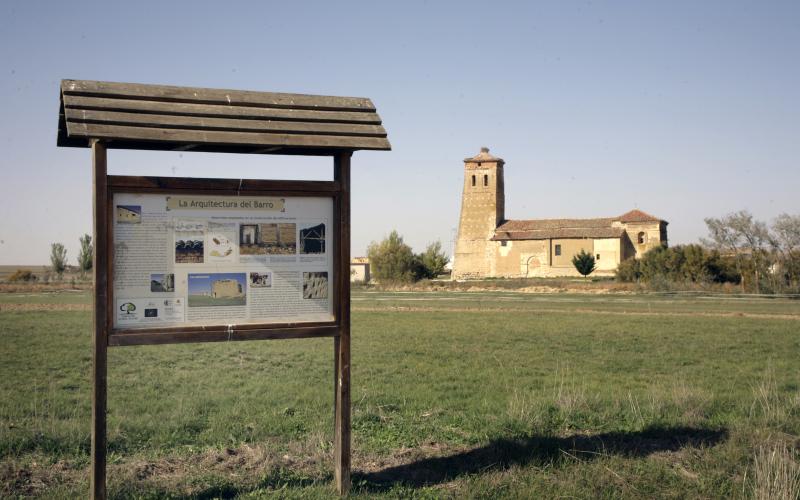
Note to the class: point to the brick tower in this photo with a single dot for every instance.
(482, 210)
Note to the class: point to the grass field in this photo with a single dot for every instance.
(463, 394)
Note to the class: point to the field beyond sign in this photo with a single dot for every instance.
(487, 394)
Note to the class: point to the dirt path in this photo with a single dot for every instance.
(417, 309)
(733, 314)
(45, 307)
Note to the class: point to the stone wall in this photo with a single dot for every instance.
(569, 248)
(607, 254)
(482, 210)
(518, 258)
(654, 234)
(533, 258)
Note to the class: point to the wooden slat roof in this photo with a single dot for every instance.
(140, 116)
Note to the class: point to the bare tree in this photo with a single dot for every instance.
(726, 240)
(739, 234)
(785, 240)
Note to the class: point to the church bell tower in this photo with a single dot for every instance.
(482, 210)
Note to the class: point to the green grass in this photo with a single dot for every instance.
(63, 297)
(454, 394)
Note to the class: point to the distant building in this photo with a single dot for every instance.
(359, 270)
(488, 245)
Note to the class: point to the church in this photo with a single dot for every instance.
(490, 246)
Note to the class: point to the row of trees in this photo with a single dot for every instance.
(766, 257)
(391, 260)
(739, 249)
(59, 263)
(58, 256)
(680, 264)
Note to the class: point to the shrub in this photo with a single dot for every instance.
(584, 263)
(664, 267)
(22, 275)
(393, 260)
(433, 260)
(628, 271)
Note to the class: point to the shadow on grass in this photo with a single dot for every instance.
(271, 483)
(221, 488)
(503, 453)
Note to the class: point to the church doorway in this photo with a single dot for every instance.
(532, 265)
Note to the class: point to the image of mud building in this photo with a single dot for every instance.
(226, 288)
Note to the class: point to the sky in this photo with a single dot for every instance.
(685, 110)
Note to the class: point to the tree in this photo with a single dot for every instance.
(392, 259)
(662, 264)
(746, 239)
(628, 270)
(433, 260)
(584, 263)
(85, 254)
(785, 240)
(58, 258)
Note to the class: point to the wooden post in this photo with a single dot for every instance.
(341, 343)
(100, 337)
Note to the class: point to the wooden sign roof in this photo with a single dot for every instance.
(140, 116)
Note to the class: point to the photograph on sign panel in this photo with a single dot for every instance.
(221, 241)
(270, 238)
(217, 289)
(190, 241)
(189, 250)
(261, 280)
(162, 282)
(315, 285)
(129, 214)
(312, 239)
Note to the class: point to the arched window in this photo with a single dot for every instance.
(485, 180)
(642, 238)
(473, 181)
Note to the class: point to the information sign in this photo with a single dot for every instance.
(189, 260)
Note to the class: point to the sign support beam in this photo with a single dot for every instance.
(341, 343)
(100, 265)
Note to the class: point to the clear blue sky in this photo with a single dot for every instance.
(682, 109)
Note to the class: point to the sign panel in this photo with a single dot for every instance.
(189, 260)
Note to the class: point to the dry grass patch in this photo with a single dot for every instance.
(243, 468)
(776, 472)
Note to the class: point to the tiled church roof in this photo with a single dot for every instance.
(546, 234)
(638, 216)
(542, 229)
(542, 224)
